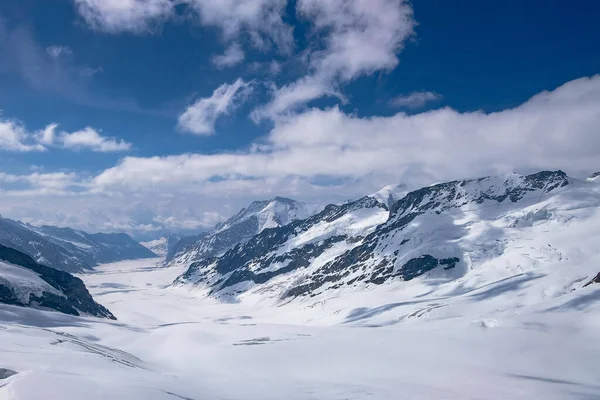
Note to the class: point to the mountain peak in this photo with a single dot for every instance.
(475, 192)
(258, 216)
(390, 194)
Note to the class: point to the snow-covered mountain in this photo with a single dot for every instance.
(595, 177)
(69, 249)
(162, 246)
(260, 215)
(390, 194)
(441, 232)
(25, 283)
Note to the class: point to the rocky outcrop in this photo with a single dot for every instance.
(61, 291)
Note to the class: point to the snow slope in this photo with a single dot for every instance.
(260, 215)
(517, 317)
(485, 337)
(440, 232)
(163, 245)
(25, 283)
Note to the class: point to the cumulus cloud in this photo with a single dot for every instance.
(89, 138)
(14, 137)
(360, 38)
(261, 20)
(233, 55)
(319, 154)
(349, 38)
(47, 136)
(200, 117)
(142, 216)
(38, 183)
(415, 99)
(555, 129)
(116, 16)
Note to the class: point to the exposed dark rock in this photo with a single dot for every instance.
(77, 298)
(595, 280)
(68, 249)
(237, 229)
(6, 373)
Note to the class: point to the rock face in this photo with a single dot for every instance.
(260, 215)
(25, 283)
(370, 241)
(69, 249)
(163, 245)
(595, 280)
(595, 177)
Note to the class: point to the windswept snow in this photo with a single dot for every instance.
(517, 318)
(492, 335)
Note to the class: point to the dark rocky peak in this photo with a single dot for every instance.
(455, 194)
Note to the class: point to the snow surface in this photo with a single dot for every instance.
(23, 282)
(158, 246)
(503, 331)
(390, 194)
(258, 216)
(515, 320)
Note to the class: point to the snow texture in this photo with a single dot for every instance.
(513, 319)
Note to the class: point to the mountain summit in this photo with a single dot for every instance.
(257, 217)
(444, 230)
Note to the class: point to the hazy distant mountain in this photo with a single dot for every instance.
(162, 246)
(69, 249)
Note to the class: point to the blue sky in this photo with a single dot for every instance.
(166, 149)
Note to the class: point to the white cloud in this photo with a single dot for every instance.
(415, 99)
(360, 38)
(233, 55)
(321, 156)
(89, 138)
(260, 19)
(200, 117)
(14, 137)
(58, 51)
(38, 183)
(555, 129)
(47, 136)
(116, 16)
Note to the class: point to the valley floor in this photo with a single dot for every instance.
(464, 340)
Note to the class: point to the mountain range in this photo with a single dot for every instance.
(258, 216)
(69, 249)
(438, 233)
